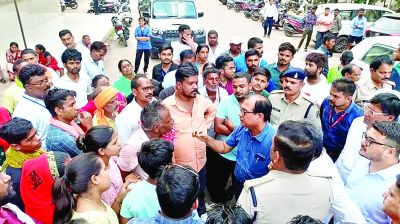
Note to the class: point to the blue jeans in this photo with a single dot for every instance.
(319, 38)
(268, 25)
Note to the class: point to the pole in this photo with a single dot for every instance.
(20, 23)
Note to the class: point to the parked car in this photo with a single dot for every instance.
(165, 16)
(365, 51)
(387, 25)
(348, 11)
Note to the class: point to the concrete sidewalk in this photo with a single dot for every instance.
(98, 27)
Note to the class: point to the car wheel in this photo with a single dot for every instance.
(74, 5)
(341, 43)
(153, 55)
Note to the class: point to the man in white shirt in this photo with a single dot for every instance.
(270, 14)
(316, 86)
(215, 47)
(184, 42)
(85, 41)
(370, 178)
(74, 80)
(127, 121)
(31, 106)
(212, 91)
(343, 208)
(382, 107)
(68, 41)
(94, 64)
(185, 56)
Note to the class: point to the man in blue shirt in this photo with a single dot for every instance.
(252, 139)
(358, 25)
(326, 49)
(395, 77)
(254, 43)
(337, 113)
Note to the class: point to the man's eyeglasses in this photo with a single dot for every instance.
(40, 83)
(371, 112)
(244, 112)
(369, 141)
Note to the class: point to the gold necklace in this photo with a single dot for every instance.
(93, 202)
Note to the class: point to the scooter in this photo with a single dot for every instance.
(105, 7)
(125, 15)
(293, 26)
(121, 31)
(68, 3)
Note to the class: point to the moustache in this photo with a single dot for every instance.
(287, 88)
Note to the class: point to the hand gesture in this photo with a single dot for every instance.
(122, 193)
(85, 119)
(133, 178)
(202, 136)
(188, 39)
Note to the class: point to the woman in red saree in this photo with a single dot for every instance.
(45, 58)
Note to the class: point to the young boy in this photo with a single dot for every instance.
(24, 145)
(141, 201)
(260, 81)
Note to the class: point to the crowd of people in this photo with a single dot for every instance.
(268, 142)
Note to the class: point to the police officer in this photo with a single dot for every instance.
(290, 103)
(288, 190)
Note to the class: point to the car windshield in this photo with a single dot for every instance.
(174, 9)
(388, 24)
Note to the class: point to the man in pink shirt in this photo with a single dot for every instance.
(191, 113)
(324, 23)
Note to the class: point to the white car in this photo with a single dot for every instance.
(371, 47)
(348, 11)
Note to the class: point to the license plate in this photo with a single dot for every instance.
(119, 32)
(376, 34)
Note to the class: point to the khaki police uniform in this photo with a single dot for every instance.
(366, 89)
(299, 109)
(278, 196)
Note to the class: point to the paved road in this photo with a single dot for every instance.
(226, 22)
(216, 16)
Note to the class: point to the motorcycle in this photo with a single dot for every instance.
(68, 3)
(247, 7)
(292, 5)
(293, 26)
(253, 11)
(105, 7)
(125, 15)
(121, 31)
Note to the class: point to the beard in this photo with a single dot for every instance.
(311, 74)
